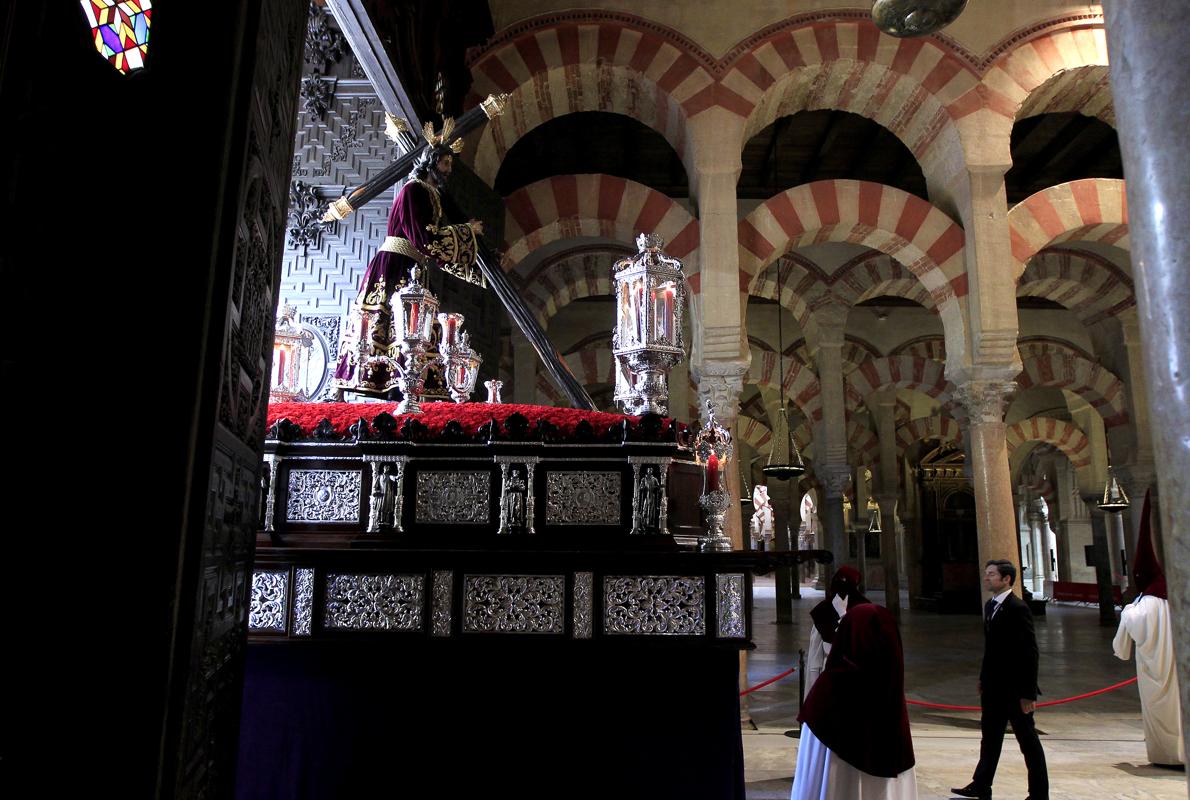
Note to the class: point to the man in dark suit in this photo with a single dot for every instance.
(1007, 685)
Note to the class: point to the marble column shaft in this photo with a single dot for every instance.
(1152, 102)
(886, 428)
(995, 521)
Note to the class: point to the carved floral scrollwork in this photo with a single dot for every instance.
(375, 602)
(443, 592)
(582, 498)
(513, 603)
(317, 93)
(323, 495)
(460, 498)
(325, 45)
(270, 593)
(581, 607)
(729, 602)
(665, 605)
(303, 602)
(305, 216)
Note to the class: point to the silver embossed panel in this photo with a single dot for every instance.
(270, 596)
(513, 603)
(375, 602)
(729, 604)
(456, 498)
(581, 607)
(323, 495)
(444, 581)
(303, 602)
(582, 498)
(654, 605)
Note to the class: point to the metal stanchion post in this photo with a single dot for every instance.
(795, 733)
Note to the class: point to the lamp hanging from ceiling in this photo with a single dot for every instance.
(785, 460)
(1114, 498)
(905, 18)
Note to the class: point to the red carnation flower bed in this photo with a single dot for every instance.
(435, 416)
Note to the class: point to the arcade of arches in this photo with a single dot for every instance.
(936, 227)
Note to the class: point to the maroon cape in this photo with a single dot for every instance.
(1147, 575)
(857, 706)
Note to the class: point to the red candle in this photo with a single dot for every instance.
(712, 473)
(451, 320)
(412, 320)
(668, 314)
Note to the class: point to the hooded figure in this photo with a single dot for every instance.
(1145, 622)
(842, 595)
(855, 740)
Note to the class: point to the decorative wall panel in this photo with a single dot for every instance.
(729, 604)
(582, 498)
(375, 602)
(270, 598)
(323, 495)
(454, 498)
(666, 605)
(513, 603)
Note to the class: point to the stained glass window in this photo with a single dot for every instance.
(121, 29)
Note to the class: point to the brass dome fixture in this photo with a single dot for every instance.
(1114, 498)
(905, 18)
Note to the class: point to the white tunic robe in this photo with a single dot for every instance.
(822, 775)
(1146, 622)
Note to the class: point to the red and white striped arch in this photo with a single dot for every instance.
(879, 217)
(939, 427)
(1061, 434)
(754, 433)
(1027, 67)
(901, 372)
(877, 275)
(1086, 283)
(569, 276)
(1033, 346)
(863, 444)
(1085, 90)
(1099, 387)
(593, 364)
(1092, 210)
(932, 347)
(903, 84)
(799, 383)
(798, 285)
(585, 62)
(571, 206)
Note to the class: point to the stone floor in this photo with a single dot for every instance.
(1094, 747)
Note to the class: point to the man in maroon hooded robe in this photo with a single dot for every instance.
(416, 235)
(842, 595)
(855, 740)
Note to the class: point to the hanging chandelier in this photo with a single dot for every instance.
(904, 18)
(1114, 498)
(785, 460)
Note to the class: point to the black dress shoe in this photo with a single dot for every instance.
(972, 790)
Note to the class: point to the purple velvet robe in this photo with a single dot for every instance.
(413, 209)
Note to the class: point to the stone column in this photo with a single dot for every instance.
(1107, 609)
(831, 435)
(524, 369)
(885, 406)
(1037, 552)
(1152, 100)
(985, 401)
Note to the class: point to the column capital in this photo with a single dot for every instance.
(985, 400)
(834, 479)
(721, 383)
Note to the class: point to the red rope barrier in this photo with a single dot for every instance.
(773, 679)
(1104, 690)
(949, 707)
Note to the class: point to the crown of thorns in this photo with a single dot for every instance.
(442, 139)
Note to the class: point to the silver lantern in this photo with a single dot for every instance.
(648, 340)
(414, 311)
